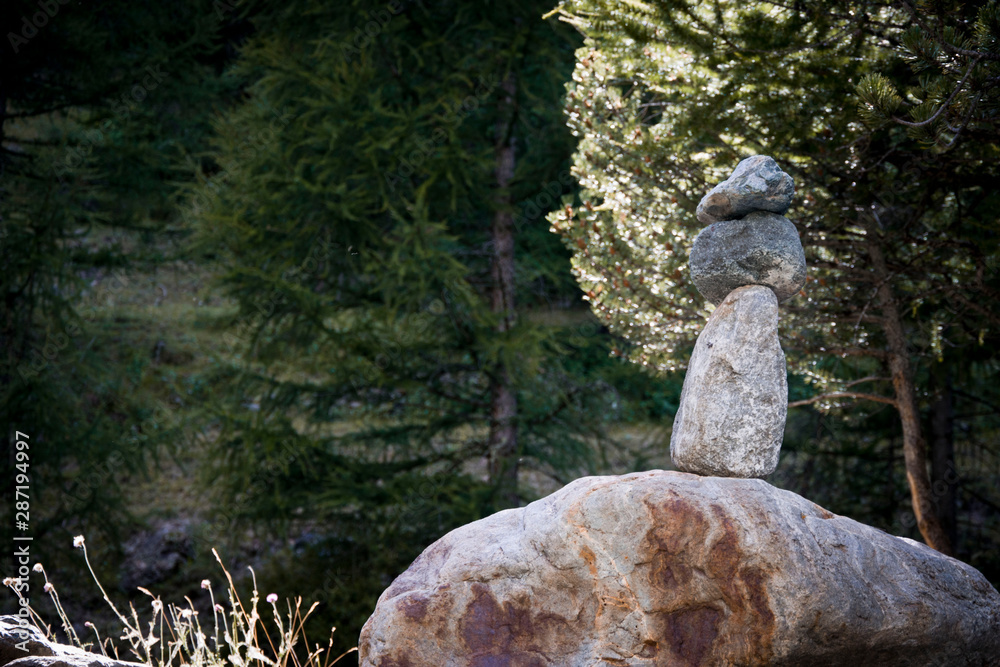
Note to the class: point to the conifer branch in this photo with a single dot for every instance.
(844, 394)
(958, 88)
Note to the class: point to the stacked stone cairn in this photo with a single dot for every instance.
(747, 260)
(667, 568)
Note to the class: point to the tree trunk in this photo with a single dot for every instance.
(914, 446)
(943, 476)
(503, 399)
(3, 122)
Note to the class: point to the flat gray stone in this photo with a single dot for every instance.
(731, 417)
(78, 658)
(757, 184)
(670, 569)
(24, 645)
(19, 639)
(760, 249)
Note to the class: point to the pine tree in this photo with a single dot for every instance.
(377, 209)
(90, 133)
(668, 96)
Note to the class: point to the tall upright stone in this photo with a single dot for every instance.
(732, 411)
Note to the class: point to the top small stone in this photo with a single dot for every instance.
(757, 184)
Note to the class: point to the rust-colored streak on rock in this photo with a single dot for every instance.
(516, 660)
(744, 589)
(723, 561)
(682, 523)
(663, 573)
(590, 558)
(650, 649)
(485, 626)
(621, 601)
(675, 522)
(823, 513)
(687, 544)
(755, 580)
(506, 635)
(431, 559)
(725, 551)
(691, 633)
(414, 607)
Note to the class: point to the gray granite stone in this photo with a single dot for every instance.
(731, 417)
(757, 184)
(760, 249)
(23, 645)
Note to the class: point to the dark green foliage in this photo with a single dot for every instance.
(97, 105)
(349, 204)
(953, 93)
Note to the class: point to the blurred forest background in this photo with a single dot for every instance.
(314, 283)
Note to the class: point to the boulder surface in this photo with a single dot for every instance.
(24, 645)
(760, 249)
(757, 184)
(668, 568)
(731, 417)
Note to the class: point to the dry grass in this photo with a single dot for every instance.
(173, 635)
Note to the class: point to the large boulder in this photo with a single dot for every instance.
(731, 417)
(668, 568)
